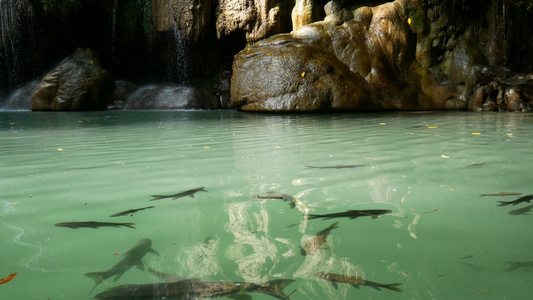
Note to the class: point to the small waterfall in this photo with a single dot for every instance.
(15, 16)
(179, 64)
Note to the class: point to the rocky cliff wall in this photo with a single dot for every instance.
(411, 54)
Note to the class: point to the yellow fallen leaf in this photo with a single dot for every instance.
(269, 53)
(303, 74)
(510, 134)
(403, 199)
(451, 189)
(444, 156)
(61, 149)
(278, 147)
(206, 147)
(432, 127)
(382, 123)
(409, 21)
(476, 133)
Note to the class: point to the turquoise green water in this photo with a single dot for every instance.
(441, 241)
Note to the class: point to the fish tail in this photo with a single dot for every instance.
(311, 217)
(513, 265)
(334, 225)
(130, 225)
(504, 203)
(157, 197)
(293, 205)
(392, 287)
(98, 277)
(275, 288)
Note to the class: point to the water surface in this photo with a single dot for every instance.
(441, 241)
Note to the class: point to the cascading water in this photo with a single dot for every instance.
(14, 15)
(179, 54)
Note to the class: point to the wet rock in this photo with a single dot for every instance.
(78, 83)
(456, 104)
(173, 97)
(255, 18)
(305, 12)
(284, 74)
(123, 90)
(191, 18)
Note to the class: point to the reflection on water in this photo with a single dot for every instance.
(440, 241)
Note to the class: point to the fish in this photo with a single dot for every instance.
(501, 194)
(513, 265)
(186, 193)
(131, 258)
(8, 278)
(315, 243)
(471, 266)
(335, 167)
(522, 211)
(163, 276)
(525, 198)
(276, 195)
(356, 281)
(352, 214)
(130, 211)
(196, 289)
(475, 165)
(93, 224)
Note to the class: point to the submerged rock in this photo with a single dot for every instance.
(78, 83)
(172, 97)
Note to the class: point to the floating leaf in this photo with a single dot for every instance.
(432, 127)
(8, 278)
(476, 133)
(444, 156)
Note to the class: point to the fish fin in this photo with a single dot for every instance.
(191, 195)
(275, 288)
(504, 203)
(373, 216)
(119, 275)
(334, 225)
(311, 217)
(392, 287)
(130, 225)
(334, 284)
(302, 251)
(356, 286)
(98, 278)
(293, 205)
(241, 297)
(513, 265)
(154, 252)
(140, 266)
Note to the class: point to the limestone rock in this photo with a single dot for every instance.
(284, 74)
(257, 19)
(78, 83)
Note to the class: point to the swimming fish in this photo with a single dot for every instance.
(356, 281)
(163, 276)
(500, 194)
(130, 211)
(513, 265)
(522, 211)
(276, 195)
(196, 289)
(186, 193)
(335, 167)
(315, 243)
(525, 198)
(8, 278)
(352, 214)
(131, 258)
(93, 224)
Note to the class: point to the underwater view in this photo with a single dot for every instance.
(222, 204)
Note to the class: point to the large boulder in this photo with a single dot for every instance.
(78, 83)
(356, 62)
(285, 74)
